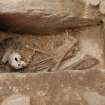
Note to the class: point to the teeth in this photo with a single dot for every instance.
(23, 63)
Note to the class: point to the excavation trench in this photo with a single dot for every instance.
(49, 42)
(58, 48)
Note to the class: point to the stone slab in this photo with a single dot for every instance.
(58, 88)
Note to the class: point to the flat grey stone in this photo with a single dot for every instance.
(16, 100)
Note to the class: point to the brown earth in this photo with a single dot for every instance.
(52, 36)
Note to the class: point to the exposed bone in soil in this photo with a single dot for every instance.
(86, 62)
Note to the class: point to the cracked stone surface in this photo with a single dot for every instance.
(58, 88)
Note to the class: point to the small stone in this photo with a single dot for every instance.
(94, 2)
(102, 7)
(17, 100)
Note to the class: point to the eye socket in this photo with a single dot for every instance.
(16, 59)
